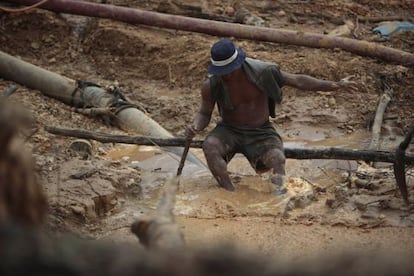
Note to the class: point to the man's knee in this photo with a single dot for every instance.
(273, 157)
(212, 146)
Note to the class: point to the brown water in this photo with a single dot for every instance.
(200, 196)
(250, 216)
(198, 185)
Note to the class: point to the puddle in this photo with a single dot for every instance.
(311, 137)
(202, 198)
(133, 152)
(199, 187)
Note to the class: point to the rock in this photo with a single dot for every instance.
(332, 102)
(301, 193)
(78, 210)
(229, 11)
(244, 16)
(370, 213)
(343, 30)
(34, 45)
(104, 203)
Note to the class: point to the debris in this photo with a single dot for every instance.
(9, 91)
(159, 231)
(343, 30)
(244, 16)
(388, 28)
(84, 174)
(80, 147)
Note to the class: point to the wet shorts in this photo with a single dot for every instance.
(251, 142)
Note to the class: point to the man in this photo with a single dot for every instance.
(246, 91)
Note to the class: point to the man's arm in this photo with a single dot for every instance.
(305, 82)
(203, 116)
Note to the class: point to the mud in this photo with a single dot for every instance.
(332, 205)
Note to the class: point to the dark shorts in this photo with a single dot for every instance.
(251, 142)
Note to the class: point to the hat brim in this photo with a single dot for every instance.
(235, 64)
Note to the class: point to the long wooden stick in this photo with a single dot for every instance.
(184, 156)
(379, 115)
(294, 153)
(315, 40)
(399, 165)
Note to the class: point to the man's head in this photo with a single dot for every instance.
(225, 58)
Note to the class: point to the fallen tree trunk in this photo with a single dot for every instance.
(136, 16)
(78, 94)
(294, 153)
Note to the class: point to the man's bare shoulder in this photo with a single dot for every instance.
(205, 88)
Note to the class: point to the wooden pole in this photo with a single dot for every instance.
(314, 40)
(294, 153)
(379, 115)
(399, 164)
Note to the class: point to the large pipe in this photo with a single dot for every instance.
(62, 88)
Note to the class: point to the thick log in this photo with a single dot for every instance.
(294, 153)
(128, 118)
(315, 40)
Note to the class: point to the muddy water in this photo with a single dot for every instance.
(200, 196)
(249, 216)
(197, 186)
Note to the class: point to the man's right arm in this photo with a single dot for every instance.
(203, 116)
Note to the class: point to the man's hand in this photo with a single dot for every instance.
(190, 132)
(347, 84)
